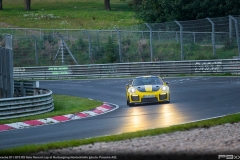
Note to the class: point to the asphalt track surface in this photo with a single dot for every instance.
(192, 99)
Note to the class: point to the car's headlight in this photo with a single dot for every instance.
(132, 90)
(165, 88)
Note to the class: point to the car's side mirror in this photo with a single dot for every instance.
(167, 83)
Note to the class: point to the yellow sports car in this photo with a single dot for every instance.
(147, 89)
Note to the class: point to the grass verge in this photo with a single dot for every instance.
(63, 104)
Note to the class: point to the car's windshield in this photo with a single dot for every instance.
(147, 81)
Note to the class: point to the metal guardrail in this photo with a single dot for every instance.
(19, 99)
(37, 104)
(25, 88)
(166, 68)
(28, 105)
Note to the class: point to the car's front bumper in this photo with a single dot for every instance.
(156, 97)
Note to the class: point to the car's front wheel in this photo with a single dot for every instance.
(168, 99)
(129, 104)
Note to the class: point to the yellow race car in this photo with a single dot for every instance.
(147, 89)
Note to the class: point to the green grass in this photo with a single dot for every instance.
(71, 14)
(63, 104)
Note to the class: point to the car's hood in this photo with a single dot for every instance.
(148, 88)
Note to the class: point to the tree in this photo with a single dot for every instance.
(111, 55)
(137, 2)
(107, 5)
(156, 11)
(27, 5)
(151, 11)
(134, 3)
(1, 8)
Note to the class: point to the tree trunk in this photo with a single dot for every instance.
(27, 5)
(107, 5)
(1, 8)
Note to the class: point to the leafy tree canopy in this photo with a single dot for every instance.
(156, 11)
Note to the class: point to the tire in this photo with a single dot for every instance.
(129, 104)
(168, 99)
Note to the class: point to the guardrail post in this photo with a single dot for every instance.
(119, 45)
(181, 39)
(213, 37)
(237, 34)
(16, 93)
(194, 37)
(89, 46)
(230, 30)
(36, 55)
(35, 85)
(22, 89)
(151, 48)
